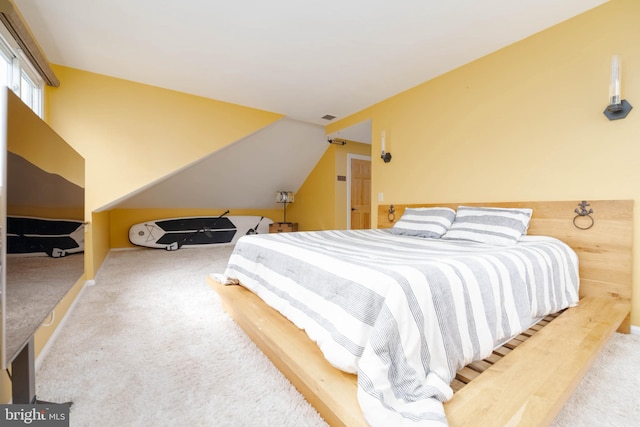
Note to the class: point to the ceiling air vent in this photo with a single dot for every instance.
(328, 117)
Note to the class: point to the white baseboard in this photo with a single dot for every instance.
(50, 341)
(635, 330)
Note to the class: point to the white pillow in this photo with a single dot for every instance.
(495, 226)
(424, 222)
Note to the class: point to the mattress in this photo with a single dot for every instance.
(405, 313)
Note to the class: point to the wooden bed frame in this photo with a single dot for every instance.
(530, 384)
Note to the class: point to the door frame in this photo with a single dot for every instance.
(351, 156)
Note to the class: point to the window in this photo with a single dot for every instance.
(17, 73)
(31, 92)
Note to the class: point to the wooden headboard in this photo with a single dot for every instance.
(604, 249)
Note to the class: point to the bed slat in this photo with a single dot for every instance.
(536, 378)
(530, 382)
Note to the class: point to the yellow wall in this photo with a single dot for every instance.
(132, 134)
(313, 208)
(524, 123)
(120, 220)
(100, 226)
(321, 201)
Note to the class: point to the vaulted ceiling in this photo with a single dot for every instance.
(303, 59)
(244, 175)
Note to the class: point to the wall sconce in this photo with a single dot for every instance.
(337, 141)
(284, 197)
(384, 156)
(617, 109)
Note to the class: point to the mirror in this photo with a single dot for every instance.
(42, 214)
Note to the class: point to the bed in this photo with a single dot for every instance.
(334, 392)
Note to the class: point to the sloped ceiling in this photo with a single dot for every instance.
(303, 59)
(243, 175)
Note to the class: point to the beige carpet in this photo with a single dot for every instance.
(149, 345)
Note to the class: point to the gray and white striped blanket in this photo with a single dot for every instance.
(405, 313)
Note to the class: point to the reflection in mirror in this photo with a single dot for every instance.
(40, 242)
(42, 223)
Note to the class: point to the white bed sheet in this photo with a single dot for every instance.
(405, 313)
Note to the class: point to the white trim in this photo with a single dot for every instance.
(29, 69)
(10, 46)
(351, 156)
(635, 330)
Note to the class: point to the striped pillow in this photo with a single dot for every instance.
(495, 226)
(424, 222)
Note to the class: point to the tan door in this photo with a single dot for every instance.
(360, 194)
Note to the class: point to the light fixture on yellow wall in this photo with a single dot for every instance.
(617, 108)
(337, 141)
(383, 143)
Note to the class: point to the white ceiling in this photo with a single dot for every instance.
(300, 58)
(303, 59)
